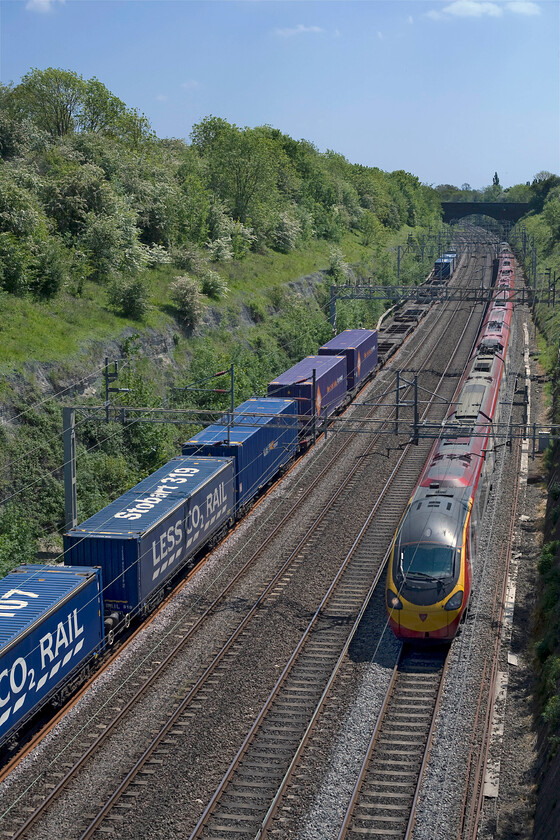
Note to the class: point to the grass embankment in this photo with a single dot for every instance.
(57, 330)
(546, 632)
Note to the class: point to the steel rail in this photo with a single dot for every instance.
(208, 611)
(475, 810)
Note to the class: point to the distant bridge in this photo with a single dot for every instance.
(503, 211)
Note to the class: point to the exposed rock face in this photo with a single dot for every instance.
(81, 376)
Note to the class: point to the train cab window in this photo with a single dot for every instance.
(427, 561)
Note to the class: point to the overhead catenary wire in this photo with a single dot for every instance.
(94, 374)
(46, 443)
(96, 445)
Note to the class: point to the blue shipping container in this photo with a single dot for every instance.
(262, 439)
(51, 621)
(360, 349)
(150, 531)
(442, 268)
(451, 255)
(297, 384)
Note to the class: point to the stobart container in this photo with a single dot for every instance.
(360, 349)
(150, 531)
(51, 621)
(297, 384)
(262, 437)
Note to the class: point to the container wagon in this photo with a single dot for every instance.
(148, 533)
(297, 384)
(360, 349)
(451, 255)
(443, 268)
(52, 625)
(262, 437)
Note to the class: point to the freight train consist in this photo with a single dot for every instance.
(56, 620)
(430, 567)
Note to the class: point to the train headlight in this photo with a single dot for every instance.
(455, 601)
(392, 601)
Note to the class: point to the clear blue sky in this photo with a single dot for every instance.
(450, 91)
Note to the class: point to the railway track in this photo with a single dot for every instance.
(383, 802)
(259, 773)
(207, 677)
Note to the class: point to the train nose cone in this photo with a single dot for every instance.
(422, 616)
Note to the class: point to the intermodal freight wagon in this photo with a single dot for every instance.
(261, 437)
(316, 378)
(152, 530)
(360, 349)
(51, 624)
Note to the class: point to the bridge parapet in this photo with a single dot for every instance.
(503, 211)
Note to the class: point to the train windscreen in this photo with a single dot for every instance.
(427, 561)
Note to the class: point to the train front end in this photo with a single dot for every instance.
(429, 572)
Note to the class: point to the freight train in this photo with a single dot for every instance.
(429, 570)
(56, 621)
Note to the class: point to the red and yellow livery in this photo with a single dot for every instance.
(430, 567)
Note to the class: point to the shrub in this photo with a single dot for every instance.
(17, 538)
(51, 268)
(157, 255)
(213, 284)
(129, 297)
(188, 258)
(186, 295)
(547, 558)
(551, 713)
(242, 240)
(220, 250)
(338, 268)
(15, 259)
(286, 233)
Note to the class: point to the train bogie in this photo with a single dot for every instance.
(151, 531)
(52, 623)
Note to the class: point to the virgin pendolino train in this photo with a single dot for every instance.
(430, 566)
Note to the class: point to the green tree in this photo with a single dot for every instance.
(51, 98)
(241, 166)
(18, 543)
(370, 227)
(101, 111)
(61, 102)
